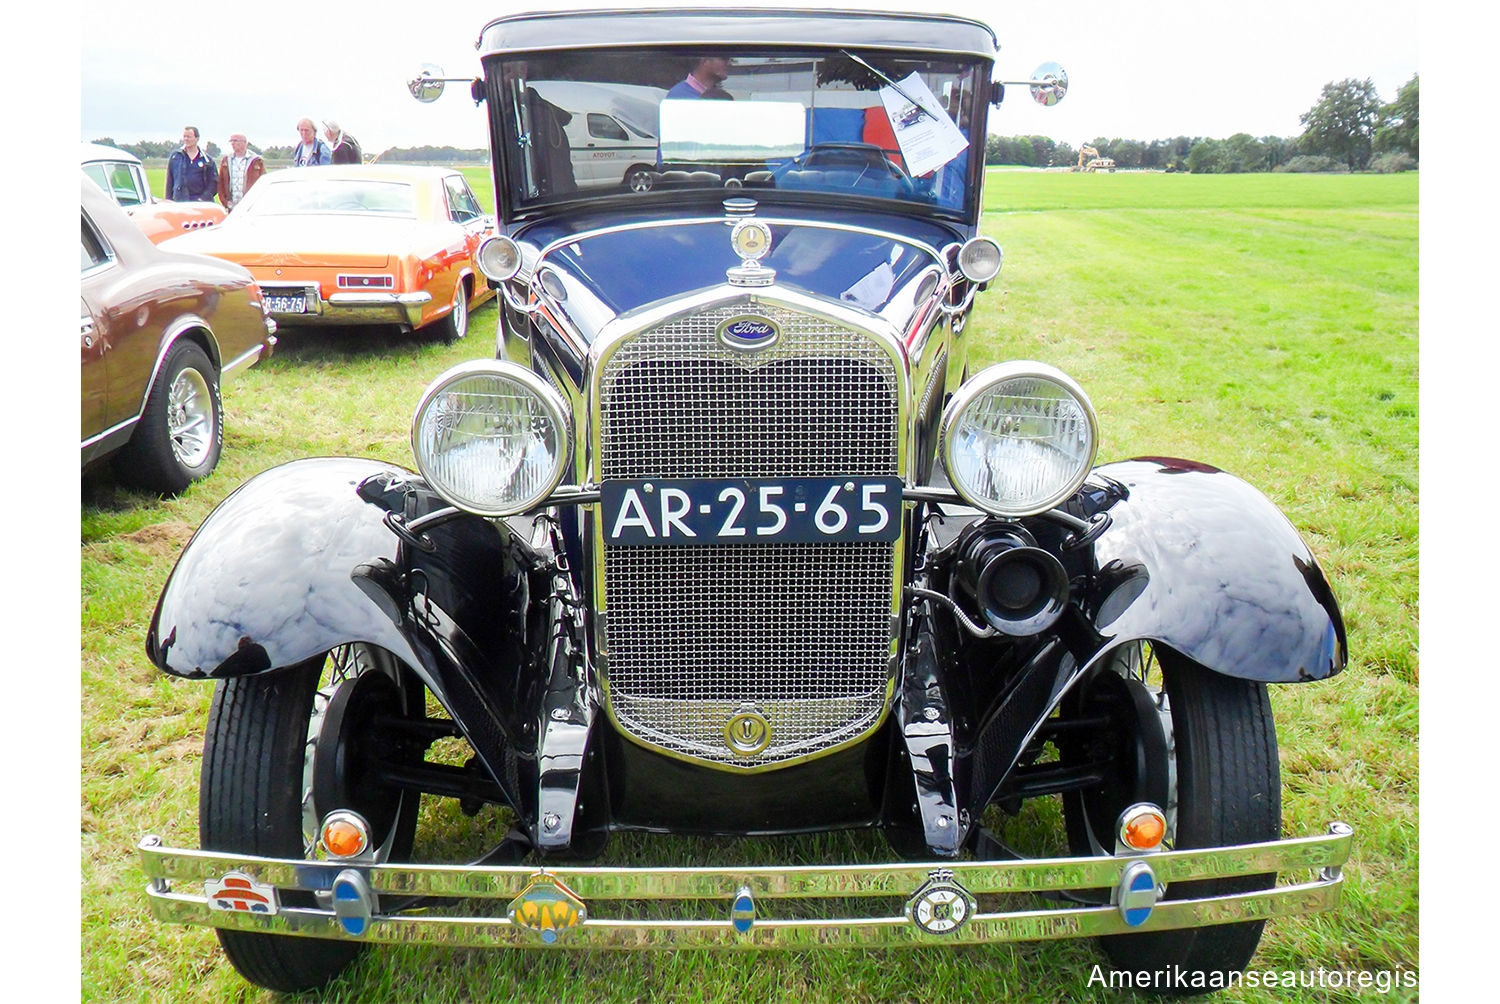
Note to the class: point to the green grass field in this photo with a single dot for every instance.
(1266, 324)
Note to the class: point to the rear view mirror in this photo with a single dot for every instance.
(1049, 84)
(427, 85)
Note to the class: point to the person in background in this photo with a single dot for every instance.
(704, 80)
(345, 148)
(239, 169)
(310, 150)
(190, 171)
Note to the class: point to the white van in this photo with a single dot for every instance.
(612, 131)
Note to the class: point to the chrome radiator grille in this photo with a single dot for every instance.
(800, 632)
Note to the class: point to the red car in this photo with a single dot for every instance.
(158, 331)
(123, 178)
(359, 244)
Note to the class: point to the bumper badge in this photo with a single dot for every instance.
(547, 907)
(353, 902)
(940, 905)
(742, 914)
(1136, 893)
(238, 891)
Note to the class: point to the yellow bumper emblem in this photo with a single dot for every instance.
(547, 907)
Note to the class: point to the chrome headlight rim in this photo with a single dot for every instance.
(986, 380)
(970, 257)
(499, 258)
(556, 410)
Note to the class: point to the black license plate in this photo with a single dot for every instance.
(278, 304)
(750, 510)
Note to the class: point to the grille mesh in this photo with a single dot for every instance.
(801, 631)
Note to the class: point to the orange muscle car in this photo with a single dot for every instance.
(359, 244)
(158, 331)
(123, 178)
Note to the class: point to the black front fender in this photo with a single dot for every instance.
(1201, 561)
(265, 582)
(299, 560)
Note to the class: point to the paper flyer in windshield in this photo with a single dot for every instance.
(927, 142)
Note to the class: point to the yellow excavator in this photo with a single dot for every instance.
(1089, 161)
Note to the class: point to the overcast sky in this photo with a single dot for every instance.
(1139, 70)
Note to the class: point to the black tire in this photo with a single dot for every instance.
(455, 324)
(181, 431)
(638, 178)
(256, 778)
(1218, 771)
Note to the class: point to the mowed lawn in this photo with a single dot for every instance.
(1265, 324)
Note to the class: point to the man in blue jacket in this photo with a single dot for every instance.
(191, 176)
(310, 151)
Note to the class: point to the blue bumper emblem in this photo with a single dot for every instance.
(353, 902)
(1136, 894)
(742, 914)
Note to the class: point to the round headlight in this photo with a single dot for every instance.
(1018, 438)
(499, 258)
(491, 437)
(979, 259)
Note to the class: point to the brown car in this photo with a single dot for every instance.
(158, 331)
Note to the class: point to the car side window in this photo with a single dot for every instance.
(604, 127)
(94, 251)
(95, 173)
(462, 205)
(122, 182)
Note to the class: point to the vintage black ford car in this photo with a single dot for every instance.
(732, 539)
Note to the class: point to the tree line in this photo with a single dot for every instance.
(1348, 129)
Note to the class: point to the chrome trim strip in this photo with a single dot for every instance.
(109, 432)
(775, 221)
(1322, 855)
(249, 356)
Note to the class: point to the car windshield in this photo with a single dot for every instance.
(822, 124)
(333, 195)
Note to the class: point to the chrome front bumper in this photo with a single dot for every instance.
(738, 898)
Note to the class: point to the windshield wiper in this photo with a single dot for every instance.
(891, 83)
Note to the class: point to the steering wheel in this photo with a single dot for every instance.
(866, 157)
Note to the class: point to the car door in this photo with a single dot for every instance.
(96, 263)
(464, 210)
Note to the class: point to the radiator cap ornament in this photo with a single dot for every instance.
(751, 240)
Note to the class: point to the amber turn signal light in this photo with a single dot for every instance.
(1142, 827)
(345, 834)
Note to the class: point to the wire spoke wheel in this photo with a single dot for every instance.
(282, 750)
(1202, 747)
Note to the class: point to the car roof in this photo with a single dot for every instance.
(719, 28)
(90, 152)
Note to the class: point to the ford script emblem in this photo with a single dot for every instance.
(749, 331)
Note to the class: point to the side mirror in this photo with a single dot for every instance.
(1049, 84)
(427, 85)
